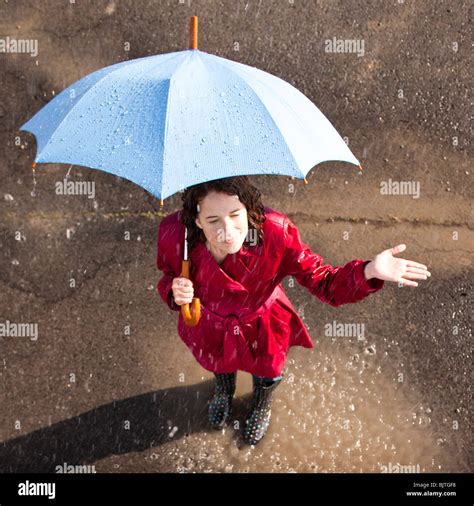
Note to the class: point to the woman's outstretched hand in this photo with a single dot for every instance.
(385, 266)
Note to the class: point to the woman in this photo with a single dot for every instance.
(240, 251)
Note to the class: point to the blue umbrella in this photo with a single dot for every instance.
(170, 121)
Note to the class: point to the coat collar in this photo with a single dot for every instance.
(245, 254)
(235, 268)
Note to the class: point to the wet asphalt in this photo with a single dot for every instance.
(108, 379)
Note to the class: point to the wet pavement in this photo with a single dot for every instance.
(108, 382)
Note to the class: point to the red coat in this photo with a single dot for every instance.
(247, 321)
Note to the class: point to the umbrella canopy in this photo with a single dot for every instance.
(170, 121)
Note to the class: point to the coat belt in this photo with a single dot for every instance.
(246, 317)
(235, 348)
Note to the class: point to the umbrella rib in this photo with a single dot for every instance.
(170, 80)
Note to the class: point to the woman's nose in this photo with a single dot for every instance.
(228, 230)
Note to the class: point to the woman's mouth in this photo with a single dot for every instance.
(230, 240)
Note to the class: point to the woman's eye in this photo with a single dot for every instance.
(232, 216)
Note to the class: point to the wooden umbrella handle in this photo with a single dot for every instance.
(191, 316)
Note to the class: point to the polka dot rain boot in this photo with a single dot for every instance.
(258, 419)
(221, 404)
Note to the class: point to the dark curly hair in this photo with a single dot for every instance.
(248, 194)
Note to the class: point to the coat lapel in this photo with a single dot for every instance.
(240, 264)
(228, 274)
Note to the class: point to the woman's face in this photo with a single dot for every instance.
(223, 219)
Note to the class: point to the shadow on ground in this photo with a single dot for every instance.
(101, 432)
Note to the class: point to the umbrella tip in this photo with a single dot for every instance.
(161, 202)
(33, 165)
(360, 167)
(193, 33)
(305, 181)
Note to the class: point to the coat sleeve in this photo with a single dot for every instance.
(167, 265)
(332, 285)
